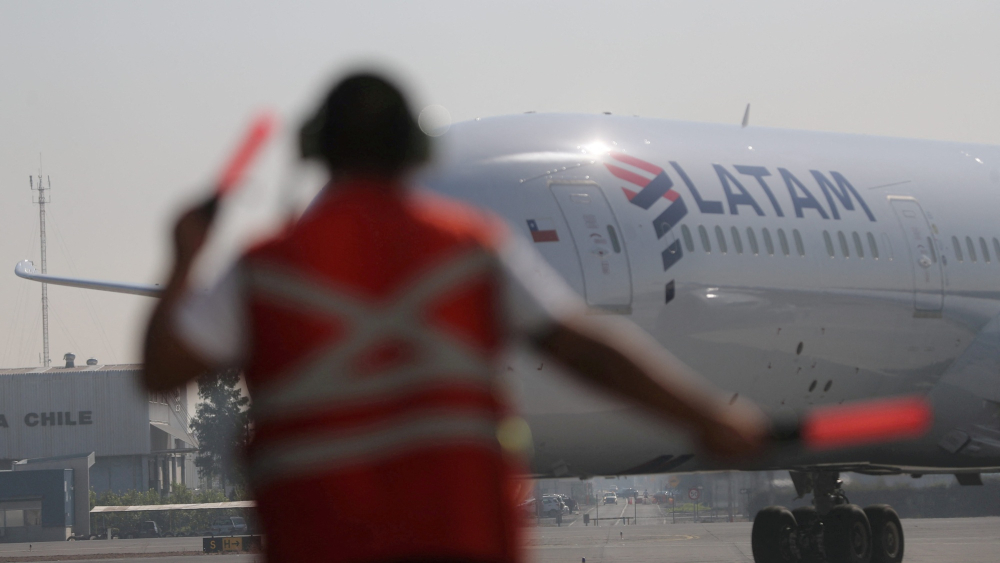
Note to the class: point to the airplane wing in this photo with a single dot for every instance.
(26, 269)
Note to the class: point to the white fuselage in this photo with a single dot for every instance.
(766, 313)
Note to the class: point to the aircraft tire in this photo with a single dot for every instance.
(773, 537)
(809, 534)
(887, 534)
(847, 535)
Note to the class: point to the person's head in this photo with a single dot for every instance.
(364, 126)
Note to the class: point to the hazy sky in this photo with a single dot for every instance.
(134, 104)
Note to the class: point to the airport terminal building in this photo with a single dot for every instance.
(140, 440)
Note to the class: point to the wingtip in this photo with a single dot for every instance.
(24, 268)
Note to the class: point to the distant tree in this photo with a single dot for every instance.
(222, 424)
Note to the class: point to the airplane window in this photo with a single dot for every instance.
(737, 241)
(798, 242)
(722, 239)
(958, 249)
(930, 244)
(971, 247)
(688, 241)
(768, 243)
(858, 247)
(752, 239)
(829, 244)
(614, 240)
(873, 246)
(705, 242)
(784, 242)
(986, 249)
(844, 249)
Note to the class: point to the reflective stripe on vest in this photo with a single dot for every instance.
(326, 383)
(321, 452)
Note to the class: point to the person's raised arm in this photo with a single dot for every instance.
(167, 361)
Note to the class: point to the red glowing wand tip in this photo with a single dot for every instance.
(867, 422)
(260, 130)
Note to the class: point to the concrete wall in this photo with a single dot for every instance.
(63, 411)
(119, 473)
(53, 412)
(54, 487)
(80, 466)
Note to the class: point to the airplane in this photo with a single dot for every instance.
(794, 269)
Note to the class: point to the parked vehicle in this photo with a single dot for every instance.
(662, 497)
(231, 526)
(551, 507)
(570, 503)
(102, 534)
(147, 529)
(563, 507)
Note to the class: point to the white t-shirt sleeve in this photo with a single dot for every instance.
(213, 323)
(535, 296)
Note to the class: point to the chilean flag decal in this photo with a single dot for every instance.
(651, 184)
(543, 230)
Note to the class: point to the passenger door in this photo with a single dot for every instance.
(928, 279)
(599, 244)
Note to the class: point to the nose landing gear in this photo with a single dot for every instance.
(830, 531)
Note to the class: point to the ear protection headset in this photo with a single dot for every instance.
(364, 121)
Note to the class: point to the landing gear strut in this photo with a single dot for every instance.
(832, 530)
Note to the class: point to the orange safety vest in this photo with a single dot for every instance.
(375, 326)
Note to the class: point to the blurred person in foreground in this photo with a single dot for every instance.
(369, 332)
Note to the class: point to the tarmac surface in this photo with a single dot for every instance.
(654, 539)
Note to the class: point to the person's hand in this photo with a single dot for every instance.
(734, 431)
(191, 232)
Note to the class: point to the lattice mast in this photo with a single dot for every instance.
(41, 199)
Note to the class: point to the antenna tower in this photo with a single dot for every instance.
(41, 199)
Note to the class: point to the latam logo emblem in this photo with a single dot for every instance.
(652, 185)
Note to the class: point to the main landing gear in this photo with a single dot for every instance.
(830, 531)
